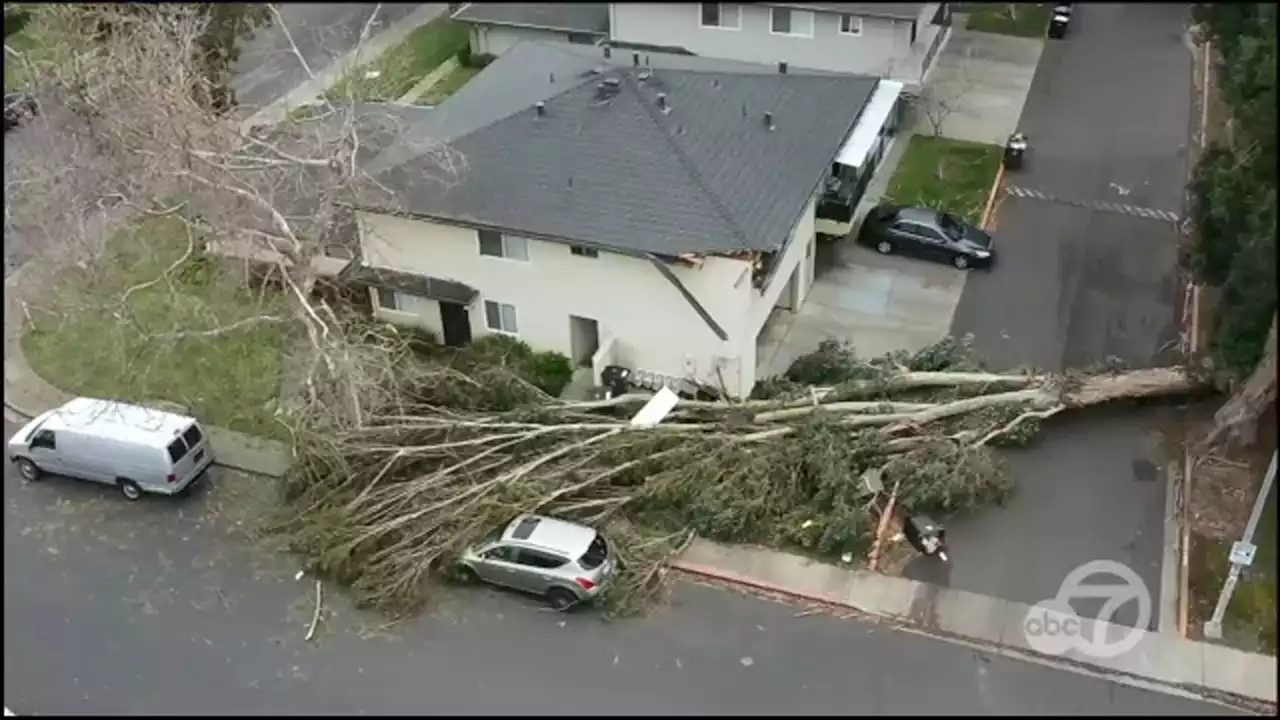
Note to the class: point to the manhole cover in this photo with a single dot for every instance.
(1144, 471)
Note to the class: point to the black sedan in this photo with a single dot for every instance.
(928, 234)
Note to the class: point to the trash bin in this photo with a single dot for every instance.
(616, 380)
(926, 535)
(1014, 151)
(1059, 21)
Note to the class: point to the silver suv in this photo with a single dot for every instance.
(564, 562)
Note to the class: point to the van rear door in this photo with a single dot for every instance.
(187, 453)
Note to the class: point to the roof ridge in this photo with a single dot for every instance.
(686, 162)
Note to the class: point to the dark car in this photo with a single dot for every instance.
(926, 233)
(18, 107)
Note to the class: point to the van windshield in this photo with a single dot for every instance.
(34, 429)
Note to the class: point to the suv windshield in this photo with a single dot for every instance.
(596, 554)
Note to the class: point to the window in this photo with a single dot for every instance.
(538, 559)
(850, 25)
(720, 15)
(511, 247)
(193, 436)
(785, 21)
(388, 299)
(581, 251)
(177, 449)
(500, 317)
(505, 553)
(596, 553)
(44, 439)
(582, 39)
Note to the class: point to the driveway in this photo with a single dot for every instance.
(1080, 281)
(161, 607)
(982, 81)
(880, 304)
(267, 67)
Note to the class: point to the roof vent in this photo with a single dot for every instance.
(597, 70)
(635, 59)
(663, 105)
(608, 52)
(540, 108)
(782, 68)
(768, 120)
(644, 76)
(646, 61)
(715, 83)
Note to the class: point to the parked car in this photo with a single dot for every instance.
(564, 562)
(928, 234)
(18, 108)
(137, 449)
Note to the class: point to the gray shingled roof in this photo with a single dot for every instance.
(898, 11)
(575, 17)
(707, 177)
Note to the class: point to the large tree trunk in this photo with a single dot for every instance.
(1236, 422)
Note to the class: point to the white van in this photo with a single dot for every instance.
(134, 448)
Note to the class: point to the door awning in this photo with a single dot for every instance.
(867, 129)
(420, 285)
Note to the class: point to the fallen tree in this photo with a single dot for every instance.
(385, 504)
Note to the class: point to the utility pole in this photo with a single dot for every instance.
(1242, 553)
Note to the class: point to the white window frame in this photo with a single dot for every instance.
(794, 15)
(515, 317)
(396, 305)
(737, 10)
(507, 243)
(853, 31)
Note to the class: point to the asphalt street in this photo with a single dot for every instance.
(267, 67)
(162, 606)
(1108, 117)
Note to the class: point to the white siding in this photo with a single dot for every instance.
(497, 39)
(654, 328)
(797, 251)
(883, 44)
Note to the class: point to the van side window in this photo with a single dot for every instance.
(177, 449)
(45, 439)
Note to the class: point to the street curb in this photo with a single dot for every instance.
(1162, 662)
(991, 197)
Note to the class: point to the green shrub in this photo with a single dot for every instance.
(549, 371)
(464, 56)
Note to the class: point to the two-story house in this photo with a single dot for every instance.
(642, 210)
(896, 41)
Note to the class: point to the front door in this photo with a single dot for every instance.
(456, 323)
(584, 339)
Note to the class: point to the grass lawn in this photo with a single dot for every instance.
(40, 42)
(1017, 19)
(402, 66)
(1250, 622)
(448, 85)
(946, 174)
(81, 345)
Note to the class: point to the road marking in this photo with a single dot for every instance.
(1122, 209)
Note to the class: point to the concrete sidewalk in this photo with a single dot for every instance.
(1165, 660)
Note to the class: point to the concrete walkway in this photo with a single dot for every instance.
(1164, 660)
(431, 80)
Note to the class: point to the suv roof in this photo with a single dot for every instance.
(558, 536)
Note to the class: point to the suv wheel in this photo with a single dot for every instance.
(961, 262)
(129, 489)
(884, 247)
(561, 599)
(29, 471)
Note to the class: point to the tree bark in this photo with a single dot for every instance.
(1236, 422)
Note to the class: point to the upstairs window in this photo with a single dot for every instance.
(582, 251)
(721, 15)
(511, 247)
(785, 21)
(850, 25)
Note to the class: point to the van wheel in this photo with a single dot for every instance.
(129, 489)
(561, 599)
(29, 471)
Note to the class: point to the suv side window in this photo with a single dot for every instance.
(44, 439)
(505, 553)
(542, 560)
